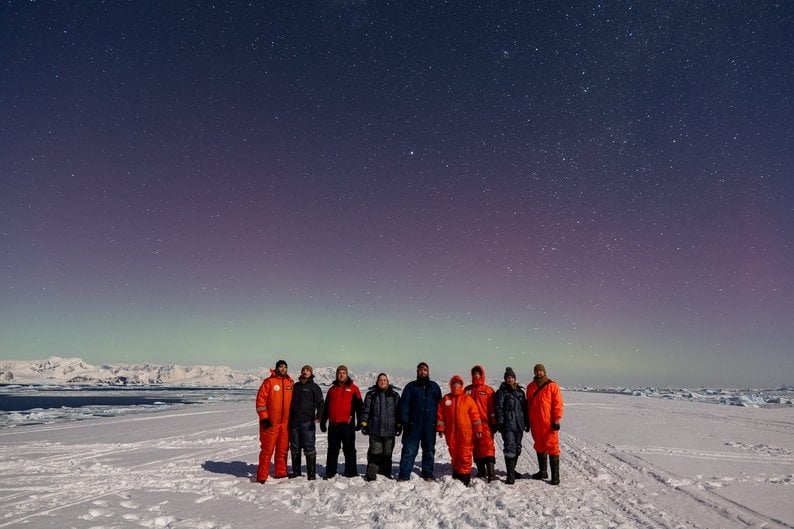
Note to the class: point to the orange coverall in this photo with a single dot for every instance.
(272, 402)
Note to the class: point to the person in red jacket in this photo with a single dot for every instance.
(544, 401)
(272, 405)
(484, 450)
(342, 406)
(458, 421)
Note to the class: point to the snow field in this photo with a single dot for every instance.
(626, 463)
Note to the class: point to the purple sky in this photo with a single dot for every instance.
(605, 188)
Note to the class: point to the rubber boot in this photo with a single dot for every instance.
(466, 479)
(480, 468)
(542, 473)
(490, 472)
(510, 463)
(311, 466)
(296, 466)
(555, 469)
(372, 471)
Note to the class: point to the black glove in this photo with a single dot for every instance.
(406, 428)
(500, 428)
(526, 428)
(265, 424)
(555, 426)
(441, 434)
(323, 427)
(398, 430)
(364, 427)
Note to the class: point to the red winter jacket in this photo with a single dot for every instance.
(274, 398)
(342, 402)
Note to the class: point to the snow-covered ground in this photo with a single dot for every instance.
(627, 462)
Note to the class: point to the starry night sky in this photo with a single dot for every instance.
(604, 187)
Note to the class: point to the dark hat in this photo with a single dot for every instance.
(509, 372)
(310, 368)
(420, 364)
(280, 362)
(342, 368)
(540, 367)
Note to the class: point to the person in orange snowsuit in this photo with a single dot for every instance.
(458, 421)
(272, 405)
(484, 450)
(544, 401)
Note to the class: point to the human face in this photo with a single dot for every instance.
(281, 370)
(383, 382)
(422, 371)
(341, 376)
(456, 384)
(510, 379)
(305, 373)
(477, 375)
(539, 373)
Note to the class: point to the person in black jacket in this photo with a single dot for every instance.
(379, 421)
(304, 414)
(512, 420)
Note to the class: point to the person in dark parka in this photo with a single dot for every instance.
(418, 406)
(512, 420)
(379, 422)
(305, 412)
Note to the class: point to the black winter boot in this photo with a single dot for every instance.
(555, 469)
(296, 466)
(372, 471)
(466, 479)
(542, 473)
(311, 466)
(489, 469)
(510, 463)
(480, 468)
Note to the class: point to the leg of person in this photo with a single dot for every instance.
(282, 449)
(542, 472)
(295, 448)
(509, 442)
(267, 443)
(374, 455)
(349, 449)
(334, 444)
(554, 463)
(408, 454)
(428, 441)
(308, 443)
(386, 458)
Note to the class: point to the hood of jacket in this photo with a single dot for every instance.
(452, 388)
(482, 379)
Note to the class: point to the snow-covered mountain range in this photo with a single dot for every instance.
(74, 371)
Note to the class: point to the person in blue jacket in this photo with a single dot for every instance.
(418, 406)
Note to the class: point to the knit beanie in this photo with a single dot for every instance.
(539, 367)
(509, 372)
(421, 364)
(310, 368)
(342, 368)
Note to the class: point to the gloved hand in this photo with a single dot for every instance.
(323, 427)
(441, 434)
(407, 428)
(398, 430)
(265, 424)
(500, 428)
(364, 428)
(555, 426)
(526, 428)
(358, 427)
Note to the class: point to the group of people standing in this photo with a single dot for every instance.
(467, 418)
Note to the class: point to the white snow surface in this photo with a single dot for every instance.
(626, 462)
